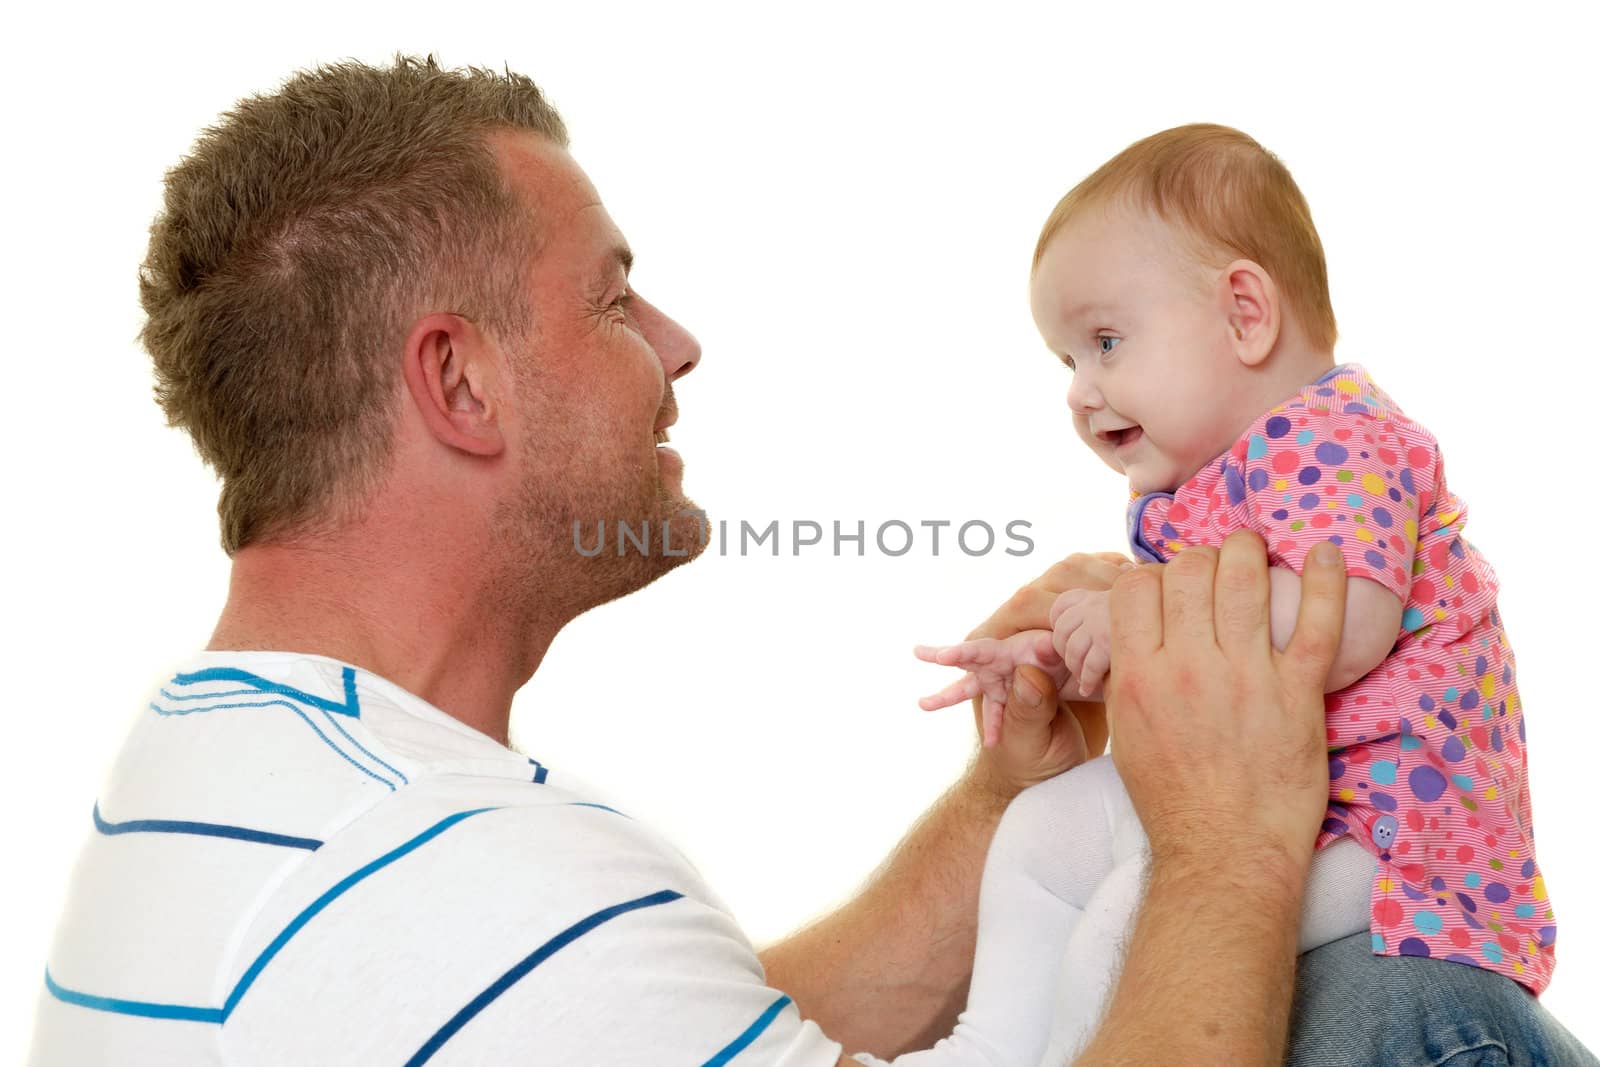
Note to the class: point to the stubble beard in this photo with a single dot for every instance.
(539, 532)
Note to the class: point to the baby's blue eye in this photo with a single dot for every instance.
(1113, 340)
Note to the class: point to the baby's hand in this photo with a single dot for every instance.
(1082, 637)
(990, 663)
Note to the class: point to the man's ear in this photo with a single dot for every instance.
(451, 377)
(1250, 305)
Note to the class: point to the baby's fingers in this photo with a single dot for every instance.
(1095, 664)
(954, 693)
(993, 711)
(1045, 655)
(1076, 649)
(1064, 602)
(975, 653)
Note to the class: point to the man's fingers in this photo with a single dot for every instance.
(1243, 591)
(1321, 620)
(1136, 613)
(1083, 571)
(1186, 596)
(1030, 699)
(1028, 609)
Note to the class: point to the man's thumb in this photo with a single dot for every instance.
(1031, 700)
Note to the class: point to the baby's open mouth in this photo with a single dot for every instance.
(1118, 438)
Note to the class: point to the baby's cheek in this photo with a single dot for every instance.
(1090, 441)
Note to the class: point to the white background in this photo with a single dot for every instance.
(841, 203)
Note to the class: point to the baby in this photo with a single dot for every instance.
(1184, 286)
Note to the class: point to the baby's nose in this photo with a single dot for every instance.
(1082, 396)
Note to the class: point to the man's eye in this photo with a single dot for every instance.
(1113, 340)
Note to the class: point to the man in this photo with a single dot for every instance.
(393, 314)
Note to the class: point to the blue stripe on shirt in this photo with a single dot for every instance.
(168, 694)
(220, 1015)
(363, 749)
(330, 896)
(131, 1007)
(350, 707)
(602, 807)
(201, 829)
(538, 956)
(303, 718)
(753, 1031)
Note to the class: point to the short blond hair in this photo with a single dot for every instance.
(300, 238)
(1229, 198)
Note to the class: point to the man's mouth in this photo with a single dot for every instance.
(665, 419)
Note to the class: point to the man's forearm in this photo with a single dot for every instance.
(888, 971)
(1209, 974)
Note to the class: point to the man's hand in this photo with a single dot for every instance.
(1221, 743)
(889, 970)
(1195, 683)
(1040, 737)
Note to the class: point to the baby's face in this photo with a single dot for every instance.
(1156, 386)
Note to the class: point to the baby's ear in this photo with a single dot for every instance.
(1251, 305)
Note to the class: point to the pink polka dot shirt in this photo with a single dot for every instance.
(1427, 754)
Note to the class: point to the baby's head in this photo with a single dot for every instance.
(1185, 285)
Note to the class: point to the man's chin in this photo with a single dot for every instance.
(628, 554)
(685, 532)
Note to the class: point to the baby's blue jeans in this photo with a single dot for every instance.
(1353, 1008)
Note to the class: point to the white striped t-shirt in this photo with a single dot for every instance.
(297, 861)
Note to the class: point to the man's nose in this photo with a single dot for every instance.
(675, 346)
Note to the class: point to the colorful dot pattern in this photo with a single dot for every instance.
(1427, 755)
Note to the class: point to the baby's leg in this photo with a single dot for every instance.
(1097, 945)
(1052, 847)
(1336, 905)
(1338, 899)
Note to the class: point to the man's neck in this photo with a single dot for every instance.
(439, 632)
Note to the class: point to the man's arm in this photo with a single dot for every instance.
(1222, 744)
(888, 971)
(1210, 969)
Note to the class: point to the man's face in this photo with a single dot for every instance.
(593, 389)
(1154, 383)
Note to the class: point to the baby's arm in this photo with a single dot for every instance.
(1371, 624)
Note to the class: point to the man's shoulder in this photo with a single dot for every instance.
(292, 743)
(266, 826)
(303, 748)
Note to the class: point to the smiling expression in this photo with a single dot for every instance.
(593, 381)
(1155, 383)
